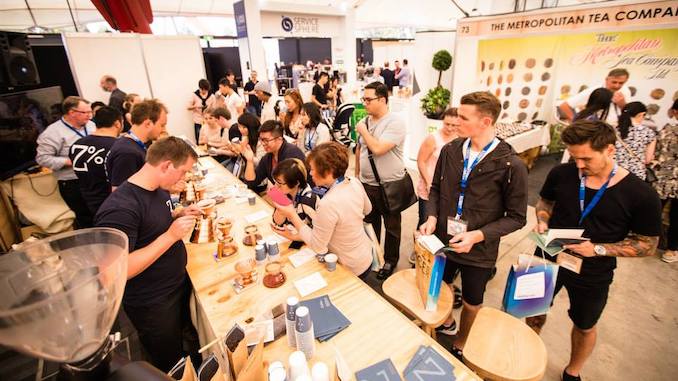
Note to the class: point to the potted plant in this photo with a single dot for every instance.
(438, 98)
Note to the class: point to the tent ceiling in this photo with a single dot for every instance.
(427, 14)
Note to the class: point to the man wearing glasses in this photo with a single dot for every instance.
(383, 135)
(277, 149)
(53, 146)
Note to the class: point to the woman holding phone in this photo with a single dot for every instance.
(292, 189)
(338, 224)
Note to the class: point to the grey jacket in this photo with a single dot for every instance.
(53, 146)
(495, 201)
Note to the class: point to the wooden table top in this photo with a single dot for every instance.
(377, 331)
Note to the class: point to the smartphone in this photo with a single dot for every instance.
(279, 197)
(296, 245)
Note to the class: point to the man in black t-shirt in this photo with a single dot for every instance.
(277, 150)
(253, 103)
(88, 154)
(619, 213)
(127, 155)
(319, 94)
(157, 292)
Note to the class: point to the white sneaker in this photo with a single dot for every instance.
(670, 256)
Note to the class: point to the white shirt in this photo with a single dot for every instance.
(267, 109)
(578, 103)
(233, 102)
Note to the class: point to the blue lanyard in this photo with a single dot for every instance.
(137, 140)
(467, 172)
(74, 129)
(322, 191)
(309, 140)
(596, 198)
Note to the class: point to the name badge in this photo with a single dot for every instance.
(456, 226)
(569, 262)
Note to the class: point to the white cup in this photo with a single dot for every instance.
(331, 262)
(320, 372)
(298, 365)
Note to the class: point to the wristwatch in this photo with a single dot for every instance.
(600, 250)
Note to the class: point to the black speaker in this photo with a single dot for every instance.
(18, 61)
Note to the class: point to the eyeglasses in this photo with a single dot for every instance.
(368, 100)
(279, 183)
(82, 112)
(268, 141)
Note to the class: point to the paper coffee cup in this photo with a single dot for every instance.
(331, 262)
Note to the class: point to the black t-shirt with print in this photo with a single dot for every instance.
(630, 205)
(124, 159)
(143, 216)
(320, 94)
(88, 156)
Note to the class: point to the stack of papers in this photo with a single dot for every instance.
(429, 365)
(328, 321)
(553, 240)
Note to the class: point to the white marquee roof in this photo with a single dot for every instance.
(420, 14)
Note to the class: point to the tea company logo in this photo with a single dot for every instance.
(287, 24)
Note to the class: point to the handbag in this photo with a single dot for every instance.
(650, 176)
(398, 195)
(529, 289)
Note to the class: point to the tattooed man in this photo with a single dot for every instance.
(619, 213)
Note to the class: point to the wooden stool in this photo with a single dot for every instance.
(401, 289)
(503, 348)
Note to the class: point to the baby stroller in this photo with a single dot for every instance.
(340, 124)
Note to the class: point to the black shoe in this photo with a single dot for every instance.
(456, 352)
(569, 377)
(385, 271)
(448, 330)
(457, 298)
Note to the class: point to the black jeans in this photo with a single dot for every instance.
(672, 232)
(165, 329)
(197, 127)
(391, 224)
(70, 192)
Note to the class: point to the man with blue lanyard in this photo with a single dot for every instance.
(128, 154)
(620, 214)
(53, 146)
(478, 194)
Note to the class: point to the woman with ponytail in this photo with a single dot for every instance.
(635, 140)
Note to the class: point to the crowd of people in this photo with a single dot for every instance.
(472, 189)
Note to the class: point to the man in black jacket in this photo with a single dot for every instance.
(478, 195)
(389, 77)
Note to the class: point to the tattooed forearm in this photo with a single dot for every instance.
(635, 245)
(544, 209)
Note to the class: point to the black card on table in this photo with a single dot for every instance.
(381, 371)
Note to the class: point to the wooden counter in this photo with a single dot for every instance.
(377, 331)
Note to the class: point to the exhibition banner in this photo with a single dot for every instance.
(632, 15)
(531, 75)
